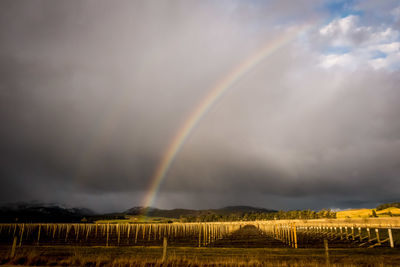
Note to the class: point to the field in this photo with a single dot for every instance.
(348, 242)
(366, 213)
(187, 256)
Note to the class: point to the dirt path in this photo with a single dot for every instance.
(248, 236)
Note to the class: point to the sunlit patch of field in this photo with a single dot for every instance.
(366, 213)
(184, 256)
(385, 212)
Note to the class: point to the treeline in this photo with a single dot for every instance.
(388, 205)
(253, 216)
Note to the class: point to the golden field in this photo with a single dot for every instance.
(366, 213)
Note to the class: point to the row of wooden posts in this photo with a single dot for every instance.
(351, 233)
(287, 233)
(205, 233)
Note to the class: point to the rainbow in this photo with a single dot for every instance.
(204, 106)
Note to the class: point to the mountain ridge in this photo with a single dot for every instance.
(42, 212)
(54, 212)
(178, 212)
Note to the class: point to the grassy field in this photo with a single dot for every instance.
(366, 213)
(222, 244)
(183, 256)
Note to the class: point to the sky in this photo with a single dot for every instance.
(92, 93)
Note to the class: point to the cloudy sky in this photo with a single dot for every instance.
(92, 93)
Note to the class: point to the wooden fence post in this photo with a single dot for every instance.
(13, 247)
(295, 235)
(164, 256)
(326, 252)
(21, 235)
(108, 233)
(291, 235)
(391, 238)
(38, 235)
(377, 236)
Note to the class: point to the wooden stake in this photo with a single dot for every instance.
(87, 231)
(66, 233)
(377, 236)
(118, 233)
(108, 233)
(391, 238)
(164, 256)
(136, 232)
(199, 235)
(326, 252)
(38, 236)
(22, 234)
(13, 247)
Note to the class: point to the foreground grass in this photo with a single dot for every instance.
(151, 256)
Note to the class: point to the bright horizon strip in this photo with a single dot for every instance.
(204, 106)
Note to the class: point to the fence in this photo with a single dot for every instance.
(292, 233)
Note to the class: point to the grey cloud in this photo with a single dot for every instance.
(91, 94)
(339, 139)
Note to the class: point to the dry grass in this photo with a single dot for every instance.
(384, 212)
(116, 256)
(74, 248)
(357, 213)
(366, 213)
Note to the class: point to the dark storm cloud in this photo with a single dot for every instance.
(92, 92)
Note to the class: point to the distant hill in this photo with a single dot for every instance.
(177, 213)
(41, 212)
(44, 212)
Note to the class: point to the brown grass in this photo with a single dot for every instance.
(117, 256)
(366, 213)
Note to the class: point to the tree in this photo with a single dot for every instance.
(388, 205)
